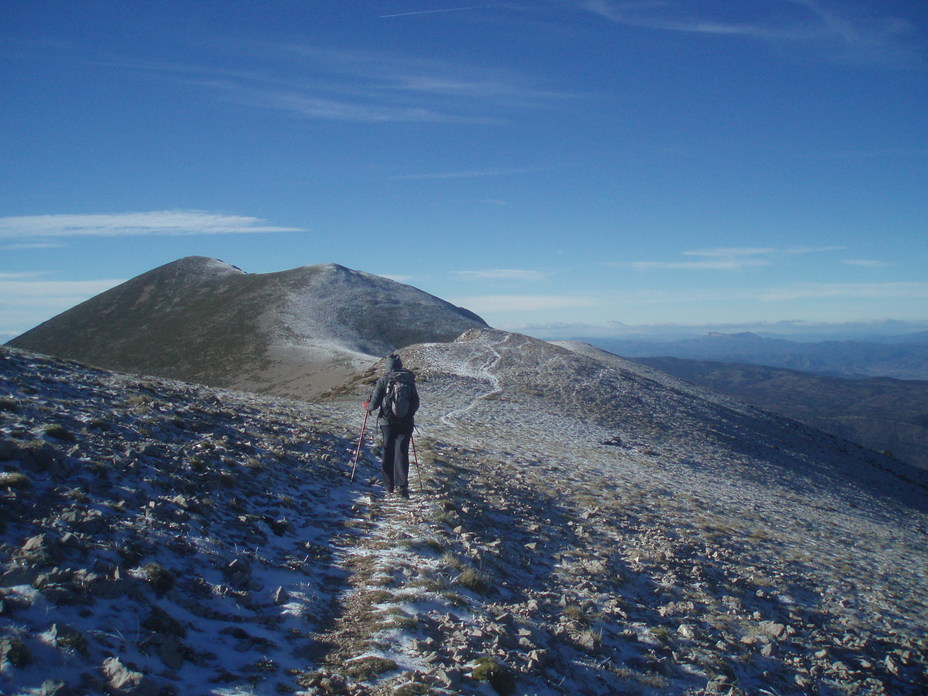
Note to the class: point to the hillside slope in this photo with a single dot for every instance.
(880, 413)
(579, 525)
(292, 333)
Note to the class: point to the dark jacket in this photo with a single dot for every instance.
(394, 365)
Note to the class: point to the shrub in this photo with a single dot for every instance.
(159, 577)
(662, 633)
(576, 613)
(448, 559)
(473, 580)
(401, 622)
(369, 667)
(159, 621)
(139, 401)
(59, 432)
(454, 599)
(413, 689)
(497, 674)
(378, 597)
(196, 464)
(10, 405)
(16, 651)
(69, 639)
(14, 479)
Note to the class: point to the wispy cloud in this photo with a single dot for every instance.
(503, 274)
(726, 258)
(839, 32)
(364, 86)
(868, 263)
(29, 289)
(846, 291)
(672, 16)
(800, 250)
(488, 304)
(27, 299)
(4, 277)
(470, 173)
(165, 222)
(430, 12)
(21, 246)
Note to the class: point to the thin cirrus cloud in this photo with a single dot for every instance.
(670, 16)
(731, 259)
(470, 174)
(856, 291)
(431, 12)
(361, 86)
(502, 274)
(31, 289)
(727, 258)
(488, 304)
(25, 296)
(165, 222)
(868, 263)
(823, 25)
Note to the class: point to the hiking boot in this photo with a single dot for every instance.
(404, 492)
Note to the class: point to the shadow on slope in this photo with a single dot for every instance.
(189, 534)
(707, 546)
(880, 413)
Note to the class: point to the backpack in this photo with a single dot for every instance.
(399, 397)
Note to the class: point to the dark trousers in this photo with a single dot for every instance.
(395, 455)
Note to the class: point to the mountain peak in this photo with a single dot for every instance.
(202, 264)
(293, 333)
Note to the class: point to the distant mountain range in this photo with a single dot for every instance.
(293, 333)
(905, 357)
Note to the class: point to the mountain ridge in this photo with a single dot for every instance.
(294, 333)
(882, 413)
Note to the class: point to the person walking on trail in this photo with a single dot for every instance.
(396, 396)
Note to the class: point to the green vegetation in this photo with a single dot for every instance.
(14, 479)
(59, 432)
(9, 405)
(497, 674)
(15, 651)
(473, 580)
(161, 579)
(575, 612)
(369, 667)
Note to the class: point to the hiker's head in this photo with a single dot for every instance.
(394, 362)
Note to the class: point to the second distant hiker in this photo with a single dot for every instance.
(396, 396)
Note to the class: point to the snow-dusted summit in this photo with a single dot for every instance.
(295, 332)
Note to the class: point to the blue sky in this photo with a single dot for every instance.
(561, 167)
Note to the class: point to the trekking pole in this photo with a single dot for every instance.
(415, 458)
(360, 439)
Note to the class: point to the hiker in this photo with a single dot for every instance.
(396, 396)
